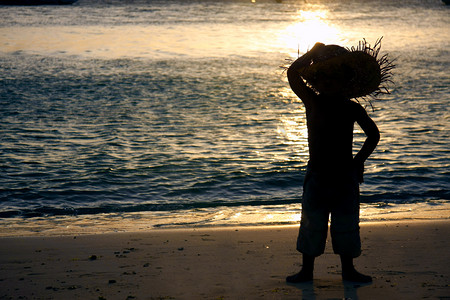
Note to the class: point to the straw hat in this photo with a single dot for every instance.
(352, 73)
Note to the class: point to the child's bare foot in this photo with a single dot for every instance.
(349, 272)
(302, 276)
(355, 276)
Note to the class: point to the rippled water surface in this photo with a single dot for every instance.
(137, 106)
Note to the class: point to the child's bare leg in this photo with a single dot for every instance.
(306, 273)
(349, 272)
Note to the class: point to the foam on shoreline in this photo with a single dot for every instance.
(243, 216)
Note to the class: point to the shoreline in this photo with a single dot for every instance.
(407, 259)
(244, 216)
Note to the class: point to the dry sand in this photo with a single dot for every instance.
(408, 260)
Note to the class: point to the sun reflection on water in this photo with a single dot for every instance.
(311, 26)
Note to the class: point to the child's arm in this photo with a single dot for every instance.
(294, 75)
(373, 137)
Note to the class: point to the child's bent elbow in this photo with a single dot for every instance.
(375, 137)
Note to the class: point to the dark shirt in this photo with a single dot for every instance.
(330, 124)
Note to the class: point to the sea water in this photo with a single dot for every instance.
(177, 113)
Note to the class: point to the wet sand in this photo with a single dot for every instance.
(408, 260)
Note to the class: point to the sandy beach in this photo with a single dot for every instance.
(408, 260)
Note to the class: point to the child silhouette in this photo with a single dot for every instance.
(331, 184)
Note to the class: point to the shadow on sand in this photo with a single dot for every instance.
(322, 288)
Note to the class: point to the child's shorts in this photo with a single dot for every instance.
(335, 194)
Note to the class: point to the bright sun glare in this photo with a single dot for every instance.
(310, 28)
